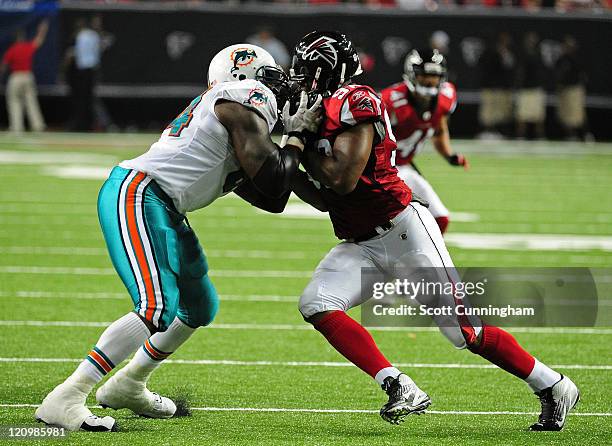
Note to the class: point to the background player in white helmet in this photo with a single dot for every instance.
(218, 144)
(418, 109)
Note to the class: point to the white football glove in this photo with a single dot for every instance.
(304, 119)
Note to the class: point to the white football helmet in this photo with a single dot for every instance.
(238, 62)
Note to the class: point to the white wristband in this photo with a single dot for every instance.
(283, 141)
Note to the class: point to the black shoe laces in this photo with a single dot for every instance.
(549, 406)
(394, 388)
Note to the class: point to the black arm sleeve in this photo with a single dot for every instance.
(275, 175)
(248, 192)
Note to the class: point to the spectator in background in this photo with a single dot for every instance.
(102, 118)
(497, 66)
(440, 40)
(571, 79)
(264, 37)
(67, 74)
(21, 86)
(531, 98)
(86, 55)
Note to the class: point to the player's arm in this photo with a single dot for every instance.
(41, 33)
(341, 171)
(441, 141)
(308, 192)
(248, 192)
(270, 168)
(302, 186)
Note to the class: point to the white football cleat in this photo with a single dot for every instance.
(556, 403)
(65, 407)
(122, 391)
(405, 398)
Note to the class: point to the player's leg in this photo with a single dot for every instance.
(335, 288)
(556, 392)
(122, 218)
(197, 308)
(420, 186)
(127, 388)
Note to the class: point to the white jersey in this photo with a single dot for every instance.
(193, 161)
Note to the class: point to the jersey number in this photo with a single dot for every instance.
(183, 120)
(414, 142)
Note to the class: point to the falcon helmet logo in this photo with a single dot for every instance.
(322, 48)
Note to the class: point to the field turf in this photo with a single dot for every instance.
(259, 374)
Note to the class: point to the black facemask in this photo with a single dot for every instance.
(277, 81)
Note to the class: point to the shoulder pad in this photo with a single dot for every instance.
(356, 104)
(254, 95)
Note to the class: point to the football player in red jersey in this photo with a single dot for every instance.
(384, 226)
(418, 109)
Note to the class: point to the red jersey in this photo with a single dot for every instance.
(19, 56)
(409, 127)
(380, 194)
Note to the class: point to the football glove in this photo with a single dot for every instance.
(457, 159)
(304, 119)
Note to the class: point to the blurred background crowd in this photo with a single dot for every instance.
(531, 5)
(115, 69)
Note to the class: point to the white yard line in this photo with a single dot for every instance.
(120, 296)
(541, 330)
(82, 271)
(305, 211)
(227, 362)
(63, 295)
(53, 250)
(340, 411)
(480, 241)
(46, 158)
(434, 412)
(534, 242)
(77, 172)
(472, 257)
(228, 237)
(219, 253)
(277, 274)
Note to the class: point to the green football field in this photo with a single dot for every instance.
(259, 374)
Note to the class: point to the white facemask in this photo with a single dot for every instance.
(428, 92)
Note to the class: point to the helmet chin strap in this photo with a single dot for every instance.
(342, 73)
(315, 81)
(408, 82)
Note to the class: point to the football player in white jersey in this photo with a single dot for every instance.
(218, 144)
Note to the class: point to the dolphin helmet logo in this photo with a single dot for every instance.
(322, 48)
(243, 57)
(257, 97)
